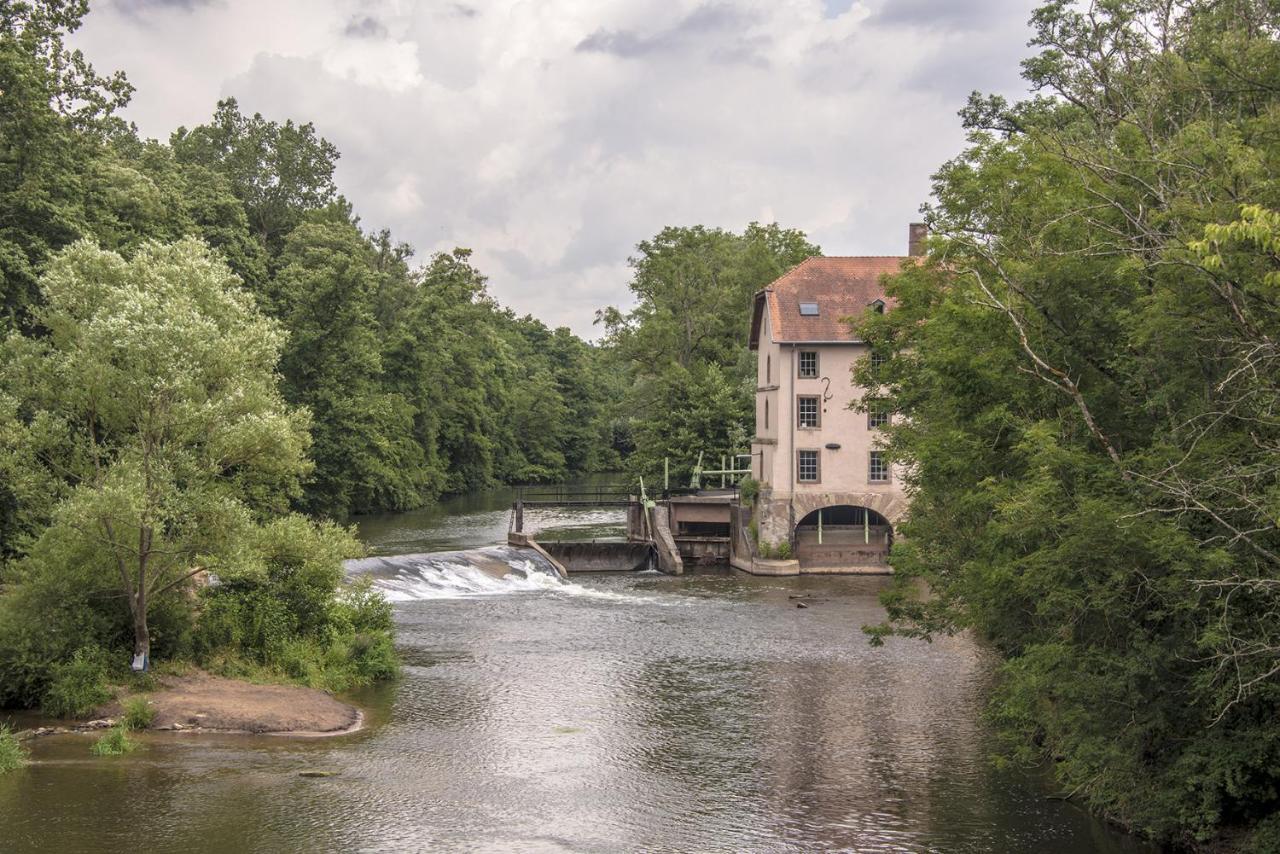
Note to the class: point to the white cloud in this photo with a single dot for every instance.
(552, 135)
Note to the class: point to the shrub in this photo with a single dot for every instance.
(375, 658)
(12, 754)
(749, 489)
(115, 742)
(784, 550)
(293, 617)
(138, 713)
(78, 686)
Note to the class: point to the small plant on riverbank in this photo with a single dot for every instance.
(776, 551)
(78, 686)
(138, 713)
(115, 742)
(12, 754)
(748, 490)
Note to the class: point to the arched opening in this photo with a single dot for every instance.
(844, 536)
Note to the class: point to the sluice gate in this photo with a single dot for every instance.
(683, 525)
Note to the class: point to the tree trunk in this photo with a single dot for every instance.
(141, 634)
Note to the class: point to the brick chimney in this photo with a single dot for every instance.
(917, 233)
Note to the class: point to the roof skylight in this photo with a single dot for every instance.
(808, 309)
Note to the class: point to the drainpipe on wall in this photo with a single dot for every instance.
(791, 429)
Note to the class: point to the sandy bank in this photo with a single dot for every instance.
(211, 703)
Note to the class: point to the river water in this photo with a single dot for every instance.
(610, 713)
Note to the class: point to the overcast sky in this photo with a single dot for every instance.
(550, 136)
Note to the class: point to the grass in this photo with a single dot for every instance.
(115, 742)
(12, 754)
(138, 714)
(78, 686)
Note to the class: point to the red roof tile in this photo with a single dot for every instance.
(842, 287)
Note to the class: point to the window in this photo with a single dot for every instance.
(878, 359)
(878, 468)
(809, 309)
(807, 466)
(766, 413)
(877, 417)
(808, 365)
(878, 306)
(807, 409)
(768, 369)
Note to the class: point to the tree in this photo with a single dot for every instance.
(279, 171)
(688, 336)
(54, 113)
(159, 371)
(1086, 375)
(364, 450)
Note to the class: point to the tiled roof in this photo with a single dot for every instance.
(842, 287)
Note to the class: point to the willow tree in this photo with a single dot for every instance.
(153, 402)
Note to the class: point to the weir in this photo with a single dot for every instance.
(682, 526)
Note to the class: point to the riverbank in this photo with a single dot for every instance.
(199, 701)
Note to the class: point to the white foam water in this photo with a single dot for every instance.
(495, 571)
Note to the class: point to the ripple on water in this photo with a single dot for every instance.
(703, 713)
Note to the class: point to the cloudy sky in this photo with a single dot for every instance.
(551, 136)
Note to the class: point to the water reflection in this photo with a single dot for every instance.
(630, 712)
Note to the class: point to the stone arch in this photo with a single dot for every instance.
(857, 537)
(892, 507)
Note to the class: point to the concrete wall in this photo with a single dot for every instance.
(602, 557)
(683, 511)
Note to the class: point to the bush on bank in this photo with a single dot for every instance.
(12, 754)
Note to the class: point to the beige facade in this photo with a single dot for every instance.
(812, 451)
(842, 442)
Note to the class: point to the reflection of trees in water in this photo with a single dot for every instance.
(855, 750)
(212, 795)
(702, 717)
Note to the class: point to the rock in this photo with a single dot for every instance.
(314, 772)
(101, 723)
(801, 605)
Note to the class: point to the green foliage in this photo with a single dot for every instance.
(138, 714)
(54, 113)
(78, 686)
(114, 742)
(12, 754)
(683, 347)
(279, 172)
(284, 617)
(1086, 374)
(780, 550)
(749, 489)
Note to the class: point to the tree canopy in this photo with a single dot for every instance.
(1086, 370)
(684, 344)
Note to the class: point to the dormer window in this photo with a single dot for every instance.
(878, 306)
(808, 309)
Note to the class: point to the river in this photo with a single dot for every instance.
(610, 713)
